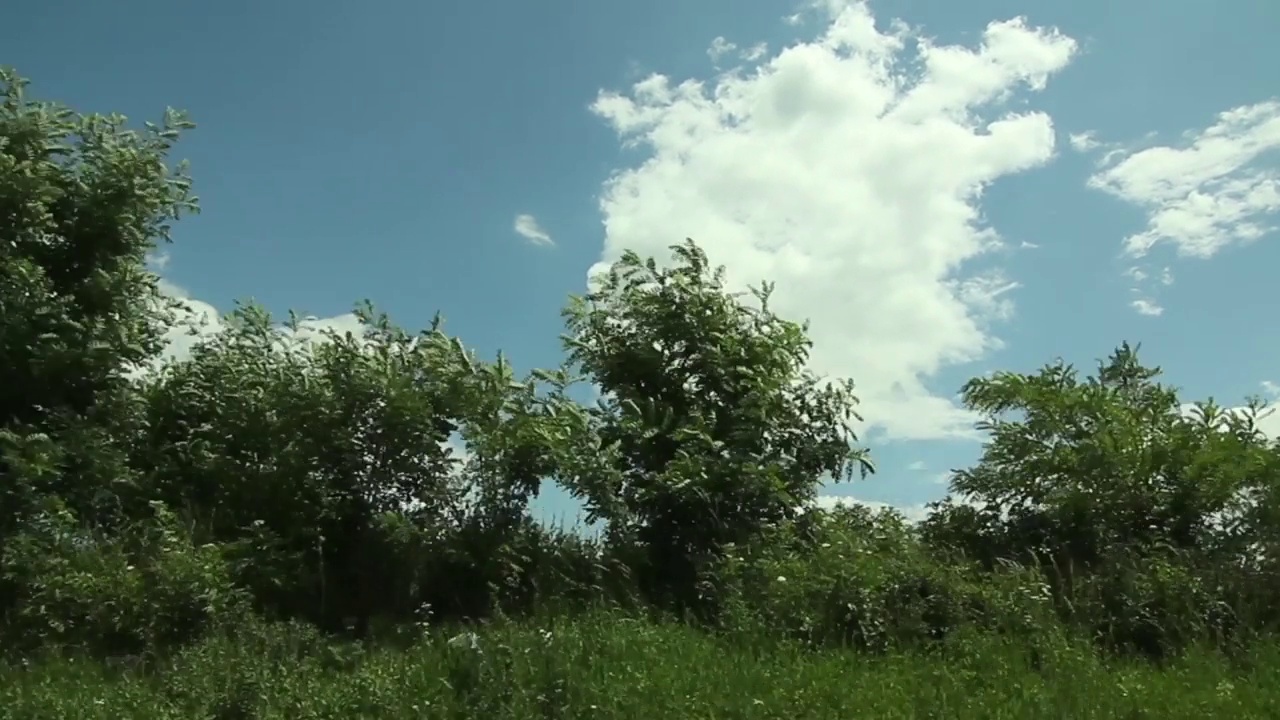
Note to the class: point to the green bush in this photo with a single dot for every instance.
(851, 577)
(144, 590)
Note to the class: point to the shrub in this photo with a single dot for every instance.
(146, 589)
(851, 577)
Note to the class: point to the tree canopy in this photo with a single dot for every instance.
(384, 477)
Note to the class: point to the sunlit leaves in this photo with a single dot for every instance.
(719, 428)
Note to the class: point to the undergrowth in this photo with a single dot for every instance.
(607, 665)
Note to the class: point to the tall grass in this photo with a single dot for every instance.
(606, 665)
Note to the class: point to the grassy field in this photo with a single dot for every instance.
(605, 666)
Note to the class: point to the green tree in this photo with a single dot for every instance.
(326, 464)
(294, 449)
(82, 202)
(1108, 482)
(710, 428)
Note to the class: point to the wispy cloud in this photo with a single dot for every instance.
(1208, 193)
(1147, 306)
(1219, 187)
(720, 48)
(527, 227)
(1211, 191)
(1083, 142)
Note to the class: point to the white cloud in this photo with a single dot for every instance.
(1083, 142)
(527, 227)
(917, 465)
(196, 321)
(157, 260)
(1210, 192)
(1148, 307)
(755, 52)
(850, 172)
(719, 48)
(1146, 303)
(1267, 421)
(913, 513)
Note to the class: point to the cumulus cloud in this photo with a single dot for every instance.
(913, 513)
(1267, 421)
(1219, 187)
(527, 227)
(196, 321)
(849, 171)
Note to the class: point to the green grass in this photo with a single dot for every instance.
(604, 666)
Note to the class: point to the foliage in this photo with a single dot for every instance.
(607, 666)
(293, 523)
(143, 589)
(326, 462)
(82, 202)
(851, 577)
(720, 430)
(1117, 491)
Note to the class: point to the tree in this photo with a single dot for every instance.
(1106, 481)
(82, 202)
(327, 462)
(711, 427)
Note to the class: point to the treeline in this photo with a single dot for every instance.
(145, 504)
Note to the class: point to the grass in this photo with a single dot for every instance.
(606, 666)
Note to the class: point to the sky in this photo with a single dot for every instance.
(942, 189)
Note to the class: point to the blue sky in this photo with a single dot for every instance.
(941, 188)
